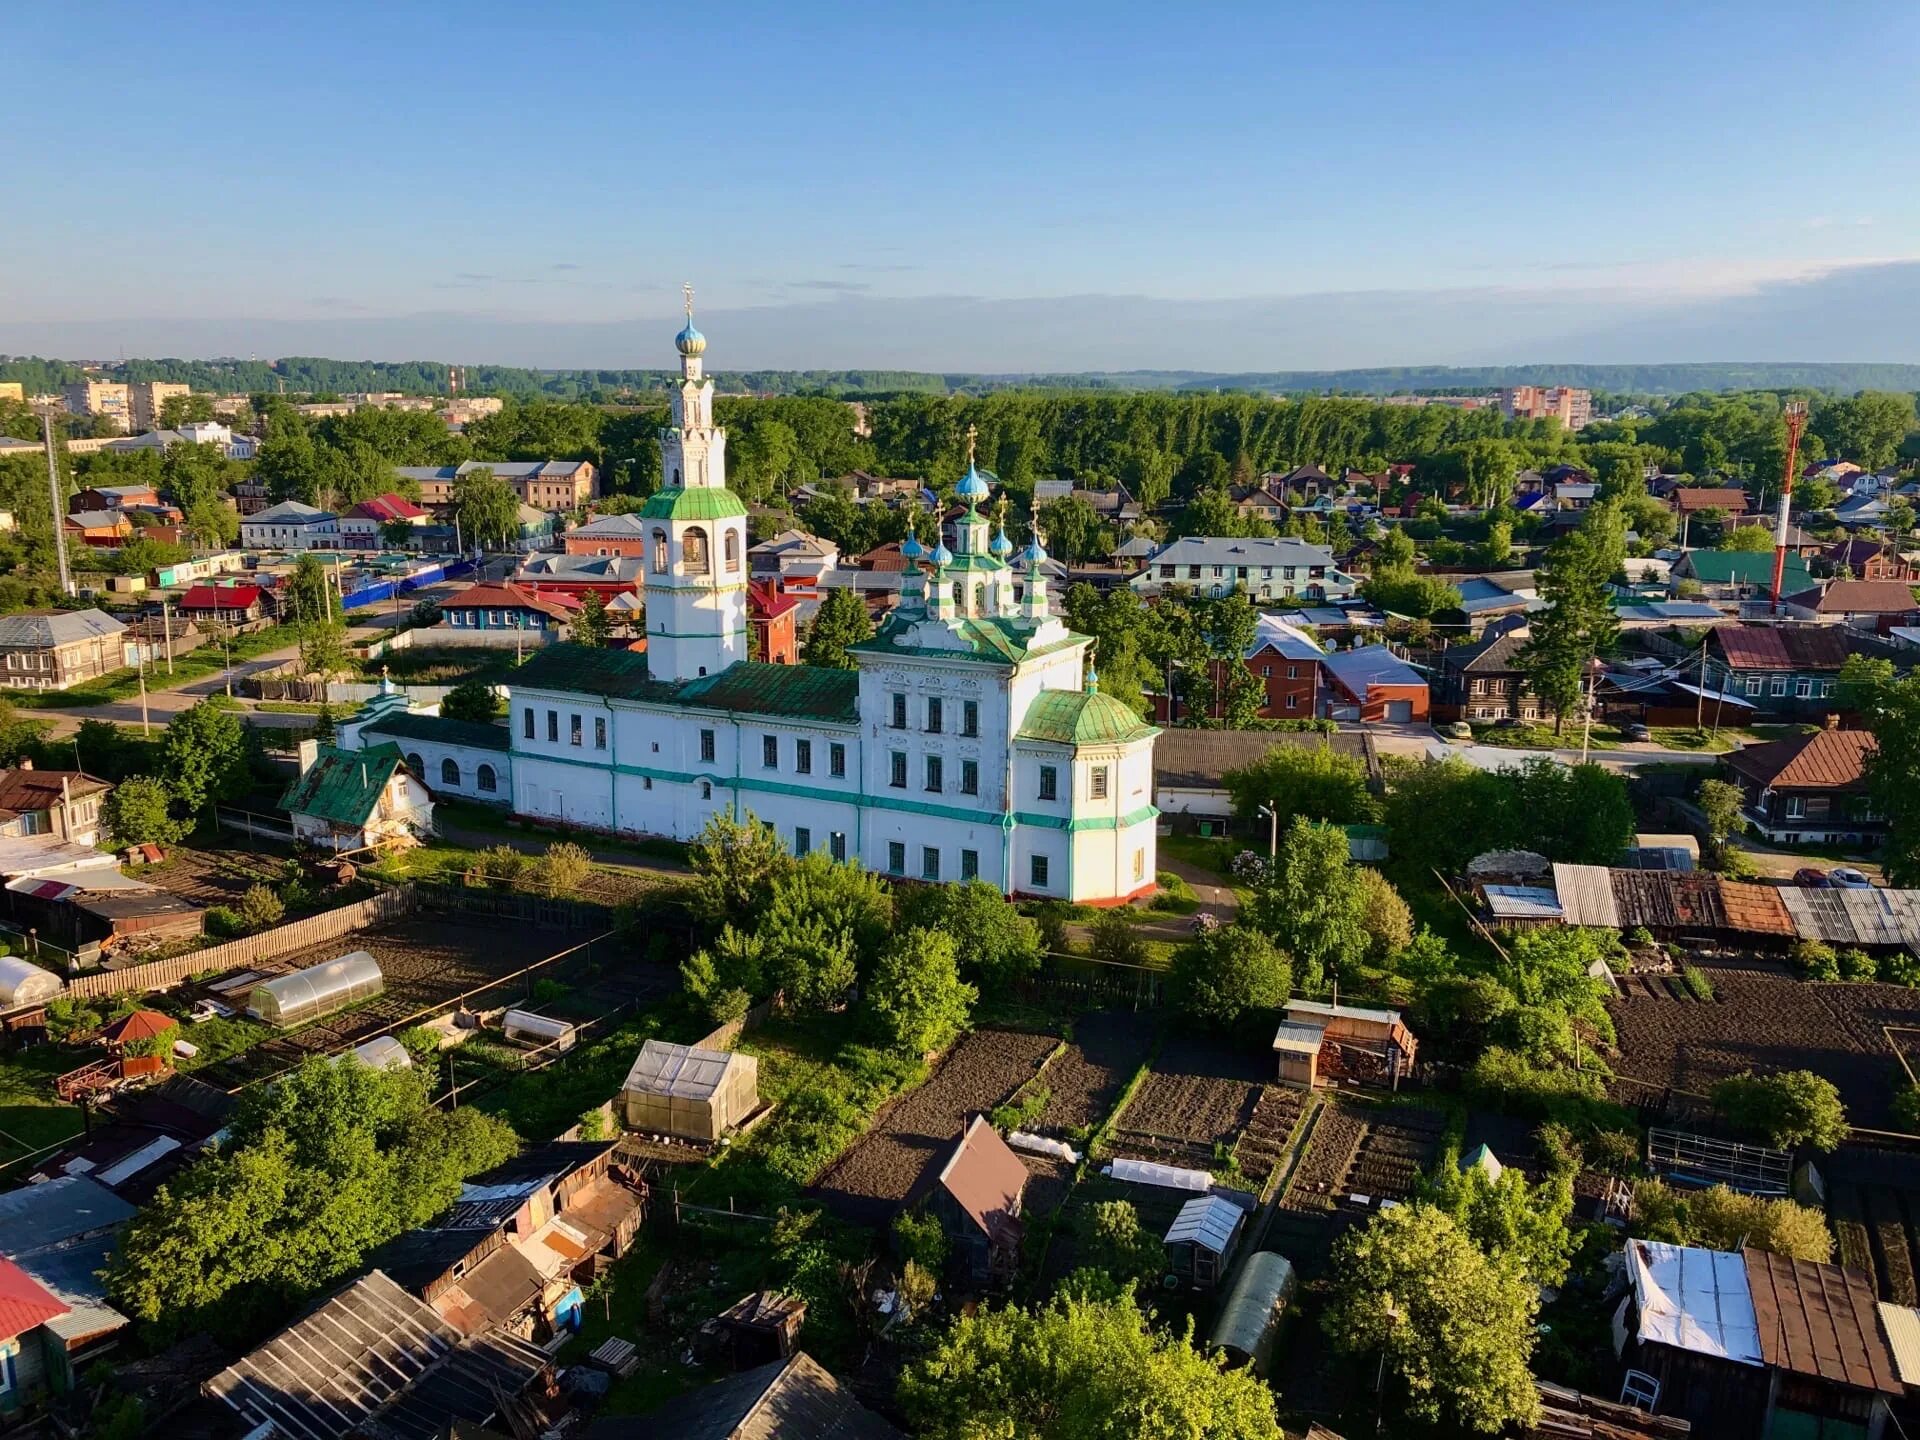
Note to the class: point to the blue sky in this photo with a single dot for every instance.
(866, 184)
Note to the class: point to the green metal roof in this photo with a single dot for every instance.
(343, 785)
(475, 735)
(700, 503)
(1073, 717)
(1747, 567)
(1000, 640)
(752, 686)
(583, 669)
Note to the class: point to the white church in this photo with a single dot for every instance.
(972, 740)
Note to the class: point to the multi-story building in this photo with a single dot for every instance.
(1282, 569)
(608, 535)
(147, 398)
(543, 484)
(291, 525)
(1484, 681)
(972, 741)
(89, 398)
(53, 651)
(1572, 408)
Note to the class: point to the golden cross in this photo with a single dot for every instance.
(1000, 511)
(688, 289)
(971, 433)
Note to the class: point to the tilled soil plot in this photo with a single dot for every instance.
(867, 1184)
(1264, 1145)
(1764, 1023)
(1196, 1096)
(1086, 1077)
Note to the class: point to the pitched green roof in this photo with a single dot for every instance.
(701, 503)
(1000, 640)
(343, 785)
(1747, 567)
(754, 687)
(1073, 717)
(583, 669)
(476, 735)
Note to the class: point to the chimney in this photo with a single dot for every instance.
(25, 763)
(309, 752)
(1832, 722)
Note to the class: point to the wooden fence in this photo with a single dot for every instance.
(378, 909)
(726, 1036)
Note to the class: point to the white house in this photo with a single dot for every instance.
(348, 800)
(1278, 569)
(971, 741)
(465, 758)
(291, 525)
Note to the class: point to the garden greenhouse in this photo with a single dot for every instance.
(318, 990)
(24, 983)
(698, 1094)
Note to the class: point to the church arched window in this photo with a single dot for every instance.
(980, 598)
(486, 779)
(732, 542)
(659, 552)
(693, 551)
(449, 771)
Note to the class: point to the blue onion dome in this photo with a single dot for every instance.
(972, 487)
(1001, 545)
(910, 548)
(1035, 554)
(942, 556)
(690, 341)
(1093, 678)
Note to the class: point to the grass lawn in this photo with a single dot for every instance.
(209, 659)
(288, 707)
(1206, 852)
(30, 1118)
(1541, 737)
(444, 665)
(220, 1039)
(1699, 741)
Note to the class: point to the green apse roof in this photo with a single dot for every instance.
(621, 674)
(755, 687)
(997, 638)
(1073, 717)
(343, 785)
(702, 503)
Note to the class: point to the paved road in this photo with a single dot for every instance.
(1416, 741)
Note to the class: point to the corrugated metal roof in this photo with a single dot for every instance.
(1328, 1010)
(36, 1216)
(1586, 895)
(1785, 647)
(59, 628)
(1297, 1039)
(1819, 1320)
(1208, 1221)
(473, 734)
(793, 1399)
(1522, 902)
(1824, 760)
(343, 786)
(985, 1177)
(757, 688)
(1902, 1326)
(25, 1304)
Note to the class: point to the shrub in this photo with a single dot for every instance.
(1504, 1080)
(1538, 1032)
(1222, 974)
(1900, 967)
(1174, 896)
(1856, 964)
(1789, 1109)
(1697, 982)
(1640, 935)
(1052, 920)
(1613, 1152)
(69, 1017)
(593, 1124)
(1906, 1108)
(224, 923)
(1112, 938)
(421, 1042)
(260, 909)
(1815, 960)
(920, 1240)
(1559, 1152)
(1022, 1111)
(546, 990)
(1722, 1219)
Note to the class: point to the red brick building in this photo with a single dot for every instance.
(774, 619)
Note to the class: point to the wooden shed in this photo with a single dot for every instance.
(696, 1094)
(976, 1196)
(1358, 1043)
(1201, 1241)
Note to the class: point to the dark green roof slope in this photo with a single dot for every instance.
(621, 674)
(751, 686)
(1073, 717)
(471, 733)
(343, 785)
(998, 639)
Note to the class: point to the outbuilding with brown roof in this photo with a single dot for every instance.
(1809, 788)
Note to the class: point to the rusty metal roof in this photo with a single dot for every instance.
(1755, 909)
(1819, 1320)
(1824, 760)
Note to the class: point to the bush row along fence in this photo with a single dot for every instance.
(389, 905)
(725, 1037)
(541, 911)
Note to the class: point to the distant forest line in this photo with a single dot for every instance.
(311, 375)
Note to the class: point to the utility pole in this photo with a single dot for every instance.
(1586, 733)
(166, 626)
(1272, 812)
(53, 495)
(146, 727)
(1700, 698)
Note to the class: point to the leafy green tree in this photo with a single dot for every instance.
(995, 945)
(1074, 530)
(592, 627)
(1724, 809)
(1890, 709)
(1311, 903)
(317, 1169)
(1112, 938)
(323, 650)
(309, 597)
(486, 508)
(1114, 1246)
(841, 621)
(1507, 1217)
(737, 864)
(473, 701)
(204, 756)
(1455, 1330)
(1749, 539)
(915, 998)
(1122, 626)
(1581, 624)
(1723, 1219)
(1315, 781)
(1400, 590)
(138, 811)
(396, 534)
(1079, 1369)
(1384, 916)
(1221, 976)
(726, 976)
(1581, 814)
(260, 908)
(1788, 1109)
(1868, 427)
(825, 920)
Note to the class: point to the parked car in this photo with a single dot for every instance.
(1812, 878)
(1637, 732)
(1507, 722)
(1845, 877)
(1458, 730)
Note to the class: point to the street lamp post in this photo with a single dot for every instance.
(1272, 812)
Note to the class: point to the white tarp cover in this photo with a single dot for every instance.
(1208, 1222)
(383, 1052)
(24, 983)
(663, 1068)
(1043, 1145)
(1694, 1300)
(1170, 1177)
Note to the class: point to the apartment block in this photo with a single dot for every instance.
(146, 399)
(98, 397)
(1572, 408)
